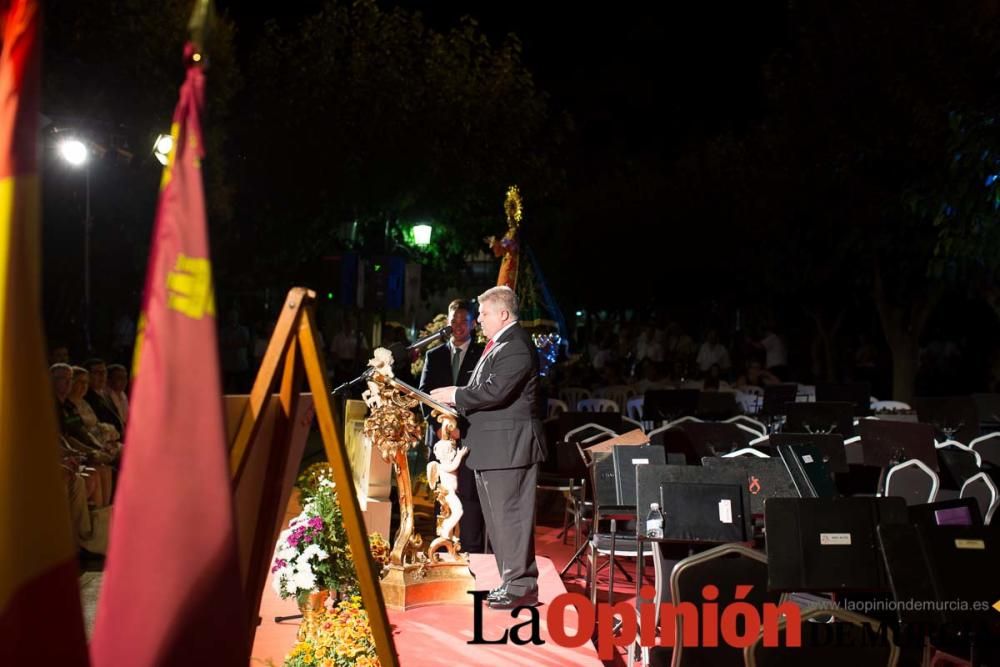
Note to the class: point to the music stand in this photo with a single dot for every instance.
(954, 512)
(827, 544)
(806, 466)
(776, 397)
(716, 405)
(764, 478)
(988, 406)
(954, 417)
(699, 505)
(859, 394)
(567, 421)
(614, 473)
(939, 565)
(670, 404)
(820, 417)
(886, 443)
(714, 439)
(830, 446)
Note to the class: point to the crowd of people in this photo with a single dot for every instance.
(92, 407)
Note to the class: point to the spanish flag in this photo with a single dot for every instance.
(40, 618)
(172, 593)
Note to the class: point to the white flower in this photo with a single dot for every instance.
(310, 551)
(304, 577)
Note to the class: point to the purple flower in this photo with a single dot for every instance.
(316, 522)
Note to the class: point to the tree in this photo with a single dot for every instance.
(359, 114)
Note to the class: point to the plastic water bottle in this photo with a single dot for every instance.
(654, 521)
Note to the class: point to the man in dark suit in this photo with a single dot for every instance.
(505, 442)
(448, 365)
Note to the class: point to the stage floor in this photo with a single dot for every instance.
(439, 635)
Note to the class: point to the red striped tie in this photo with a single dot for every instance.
(489, 345)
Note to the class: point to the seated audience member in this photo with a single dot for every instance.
(117, 385)
(713, 380)
(712, 353)
(97, 396)
(98, 440)
(756, 376)
(59, 354)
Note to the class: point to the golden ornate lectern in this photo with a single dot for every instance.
(414, 577)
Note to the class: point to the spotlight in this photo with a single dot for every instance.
(73, 151)
(161, 148)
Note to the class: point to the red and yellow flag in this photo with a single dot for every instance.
(172, 593)
(40, 617)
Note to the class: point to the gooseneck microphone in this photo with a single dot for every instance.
(427, 340)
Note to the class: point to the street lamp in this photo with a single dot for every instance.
(76, 154)
(422, 234)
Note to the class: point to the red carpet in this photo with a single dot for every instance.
(431, 636)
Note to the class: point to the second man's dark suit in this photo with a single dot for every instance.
(437, 373)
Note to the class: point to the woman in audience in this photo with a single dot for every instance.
(104, 436)
(80, 449)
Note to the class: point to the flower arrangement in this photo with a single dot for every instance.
(338, 637)
(312, 554)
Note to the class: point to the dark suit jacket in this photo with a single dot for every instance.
(437, 367)
(105, 410)
(437, 373)
(500, 402)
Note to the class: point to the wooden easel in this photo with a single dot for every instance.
(293, 356)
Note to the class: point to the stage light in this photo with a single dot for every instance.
(161, 148)
(74, 152)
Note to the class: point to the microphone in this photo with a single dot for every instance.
(427, 340)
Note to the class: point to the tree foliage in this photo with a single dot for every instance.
(364, 114)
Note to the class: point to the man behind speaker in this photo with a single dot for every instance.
(505, 442)
(448, 365)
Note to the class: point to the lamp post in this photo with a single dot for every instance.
(76, 153)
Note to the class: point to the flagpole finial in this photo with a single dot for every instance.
(198, 28)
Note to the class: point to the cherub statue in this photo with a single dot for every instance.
(443, 473)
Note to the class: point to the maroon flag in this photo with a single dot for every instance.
(172, 592)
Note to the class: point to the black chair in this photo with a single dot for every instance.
(611, 543)
(984, 490)
(912, 481)
(566, 474)
(854, 644)
(956, 464)
(724, 567)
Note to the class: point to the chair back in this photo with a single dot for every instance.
(633, 407)
(597, 405)
(988, 448)
(619, 393)
(573, 395)
(984, 490)
(749, 422)
(913, 481)
(555, 406)
(854, 645)
(726, 567)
